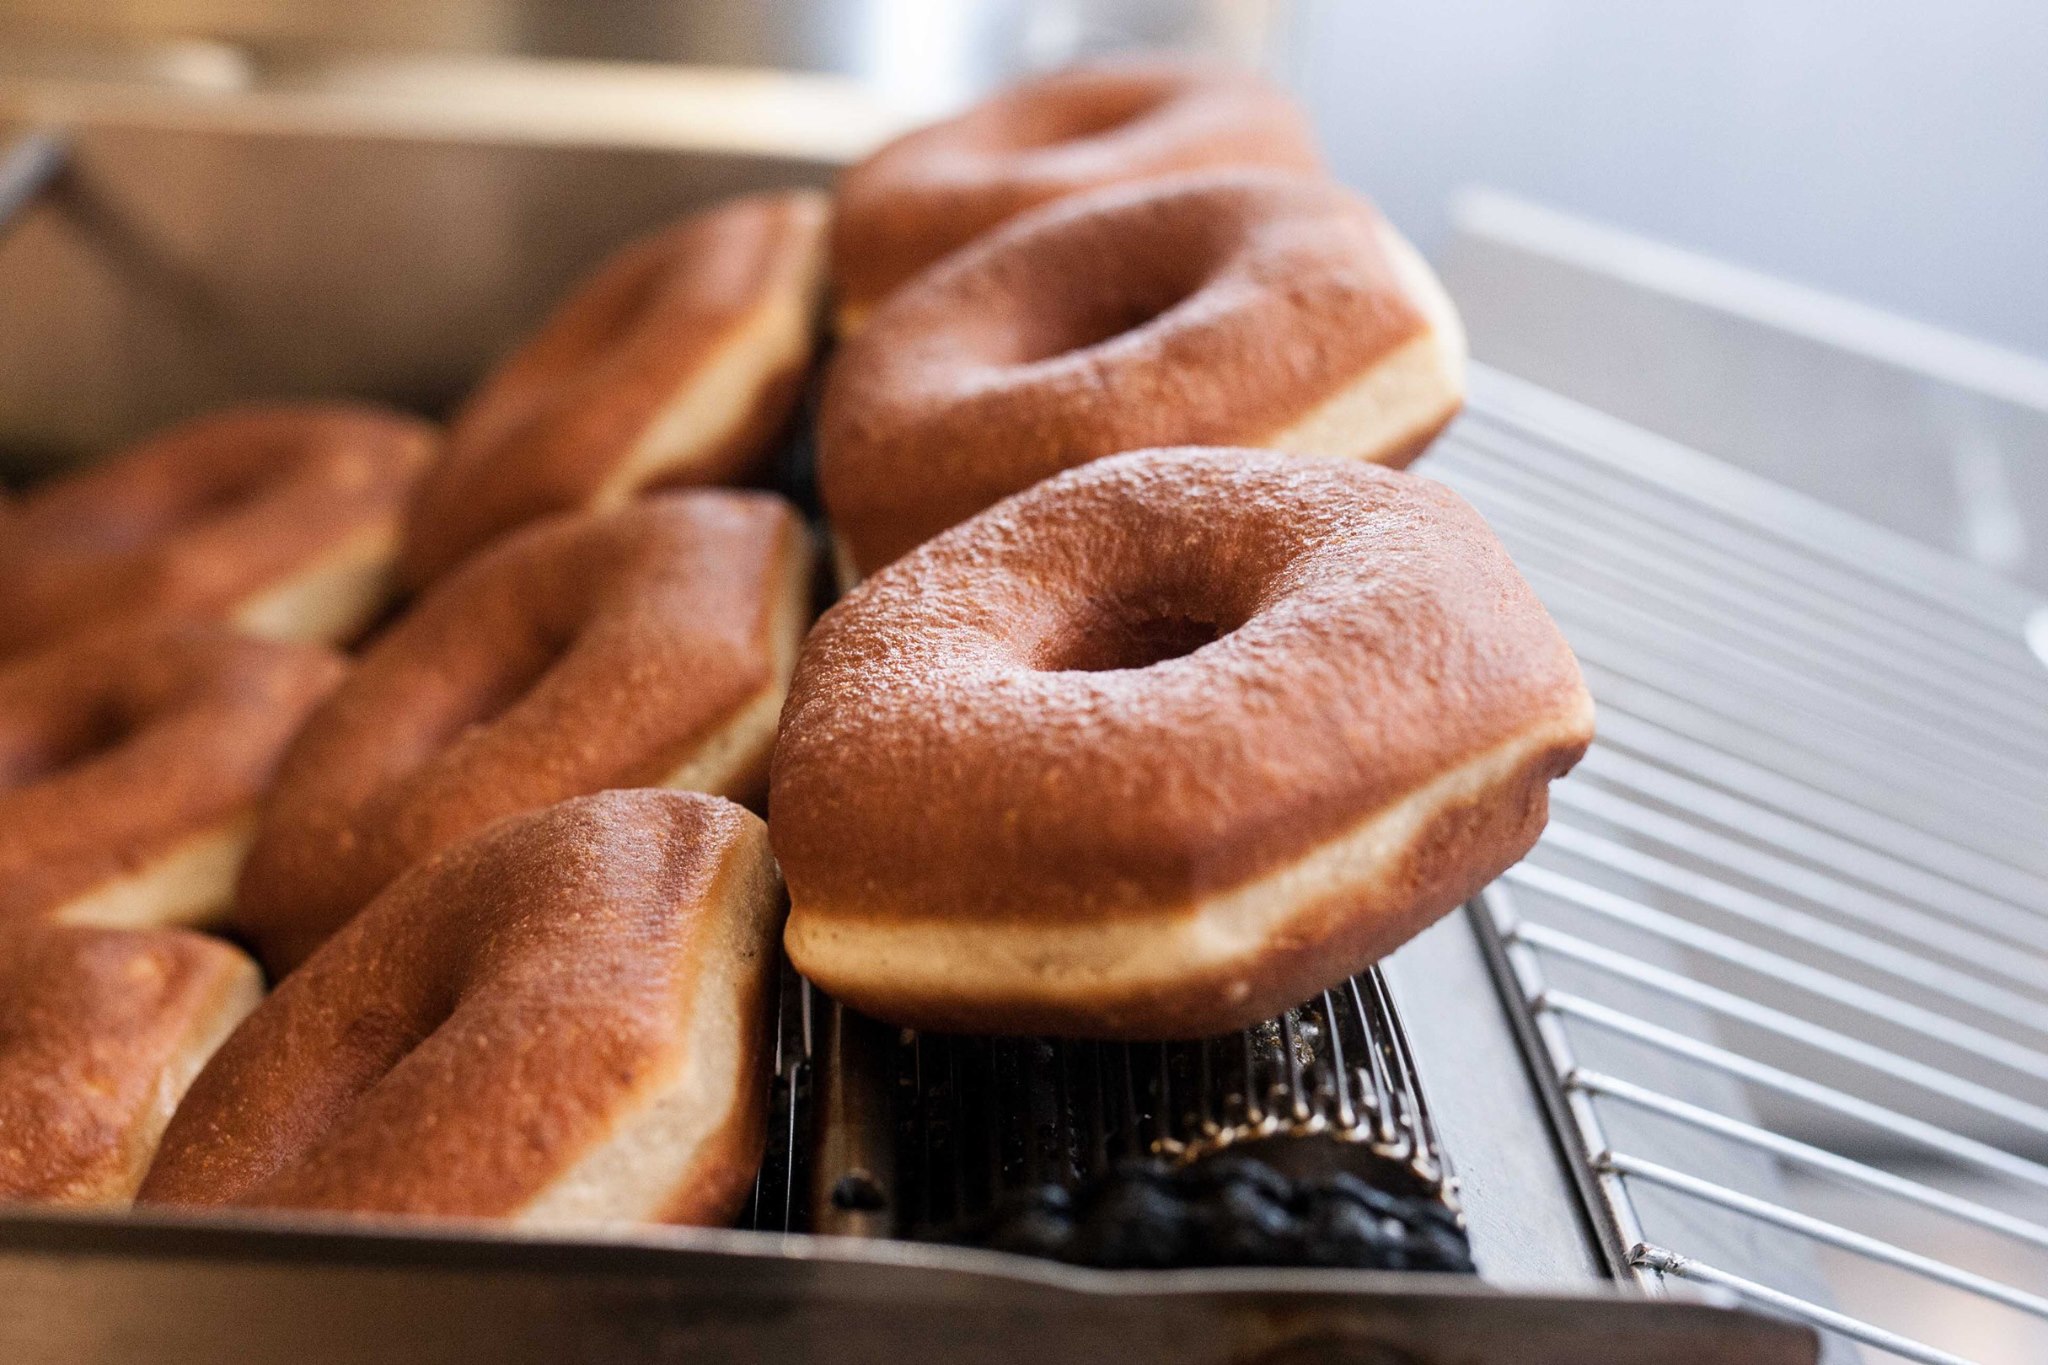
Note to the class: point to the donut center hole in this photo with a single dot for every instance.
(84, 735)
(518, 673)
(1121, 640)
(1104, 316)
(1051, 125)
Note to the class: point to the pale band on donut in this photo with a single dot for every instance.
(133, 760)
(1164, 745)
(678, 362)
(1224, 308)
(562, 1020)
(933, 190)
(282, 519)
(101, 1031)
(649, 646)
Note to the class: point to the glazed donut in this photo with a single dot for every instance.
(563, 1019)
(282, 520)
(930, 192)
(101, 1031)
(650, 646)
(132, 762)
(1164, 745)
(1236, 307)
(677, 363)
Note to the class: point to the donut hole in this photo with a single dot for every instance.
(82, 735)
(1056, 122)
(1093, 317)
(1114, 640)
(516, 674)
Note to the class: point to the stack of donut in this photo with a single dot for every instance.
(1105, 260)
(1159, 698)
(1159, 744)
(512, 817)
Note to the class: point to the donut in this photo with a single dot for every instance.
(132, 762)
(101, 1031)
(932, 191)
(1225, 308)
(650, 646)
(1162, 746)
(562, 1019)
(677, 363)
(282, 520)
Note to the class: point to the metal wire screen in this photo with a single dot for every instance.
(1784, 948)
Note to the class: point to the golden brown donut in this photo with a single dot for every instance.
(650, 646)
(1227, 308)
(677, 363)
(1164, 745)
(101, 1031)
(132, 762)
(281, 519)
(562, 1019)
(932, 191)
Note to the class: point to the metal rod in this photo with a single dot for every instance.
(1665, 1262)
(1820, 1230)
(1747, 906)
(1952, 1145)
(1791, 1027)
(1818, 732)
(2020, 916)
(1605, 511)
(1970, 606)
(1823, 771)
(1658, 649)
(1999, 957)
(1654, 650)
(1883, 560)
(1844, 815)
(1805, 1154)
(1908, 1017)
(1605, 541)
(1612, 571)
(1864, 778)
(1347, 1112)
(1548, 1048)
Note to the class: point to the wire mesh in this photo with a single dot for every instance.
(1784, 950)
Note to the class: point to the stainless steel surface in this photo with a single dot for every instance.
(1941, 437)
(1528, 1225)
(1793, 908)
(853, 1187)
(165, 1292)
(956, 41)
(377, 236)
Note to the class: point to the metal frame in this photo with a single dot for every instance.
(1813, 826)
(309, 1292)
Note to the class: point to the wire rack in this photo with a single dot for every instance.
(1091, 1150)
(1329, 1082)
(1783, 952)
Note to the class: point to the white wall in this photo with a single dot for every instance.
(1895, 151)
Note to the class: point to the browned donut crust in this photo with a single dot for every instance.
(651, 646)
(1228, 308)
(282, 519)
(677, 363)
(562, 1019)
(132, 760)
(1164, 745)
(101, 1031)
(932, 191)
